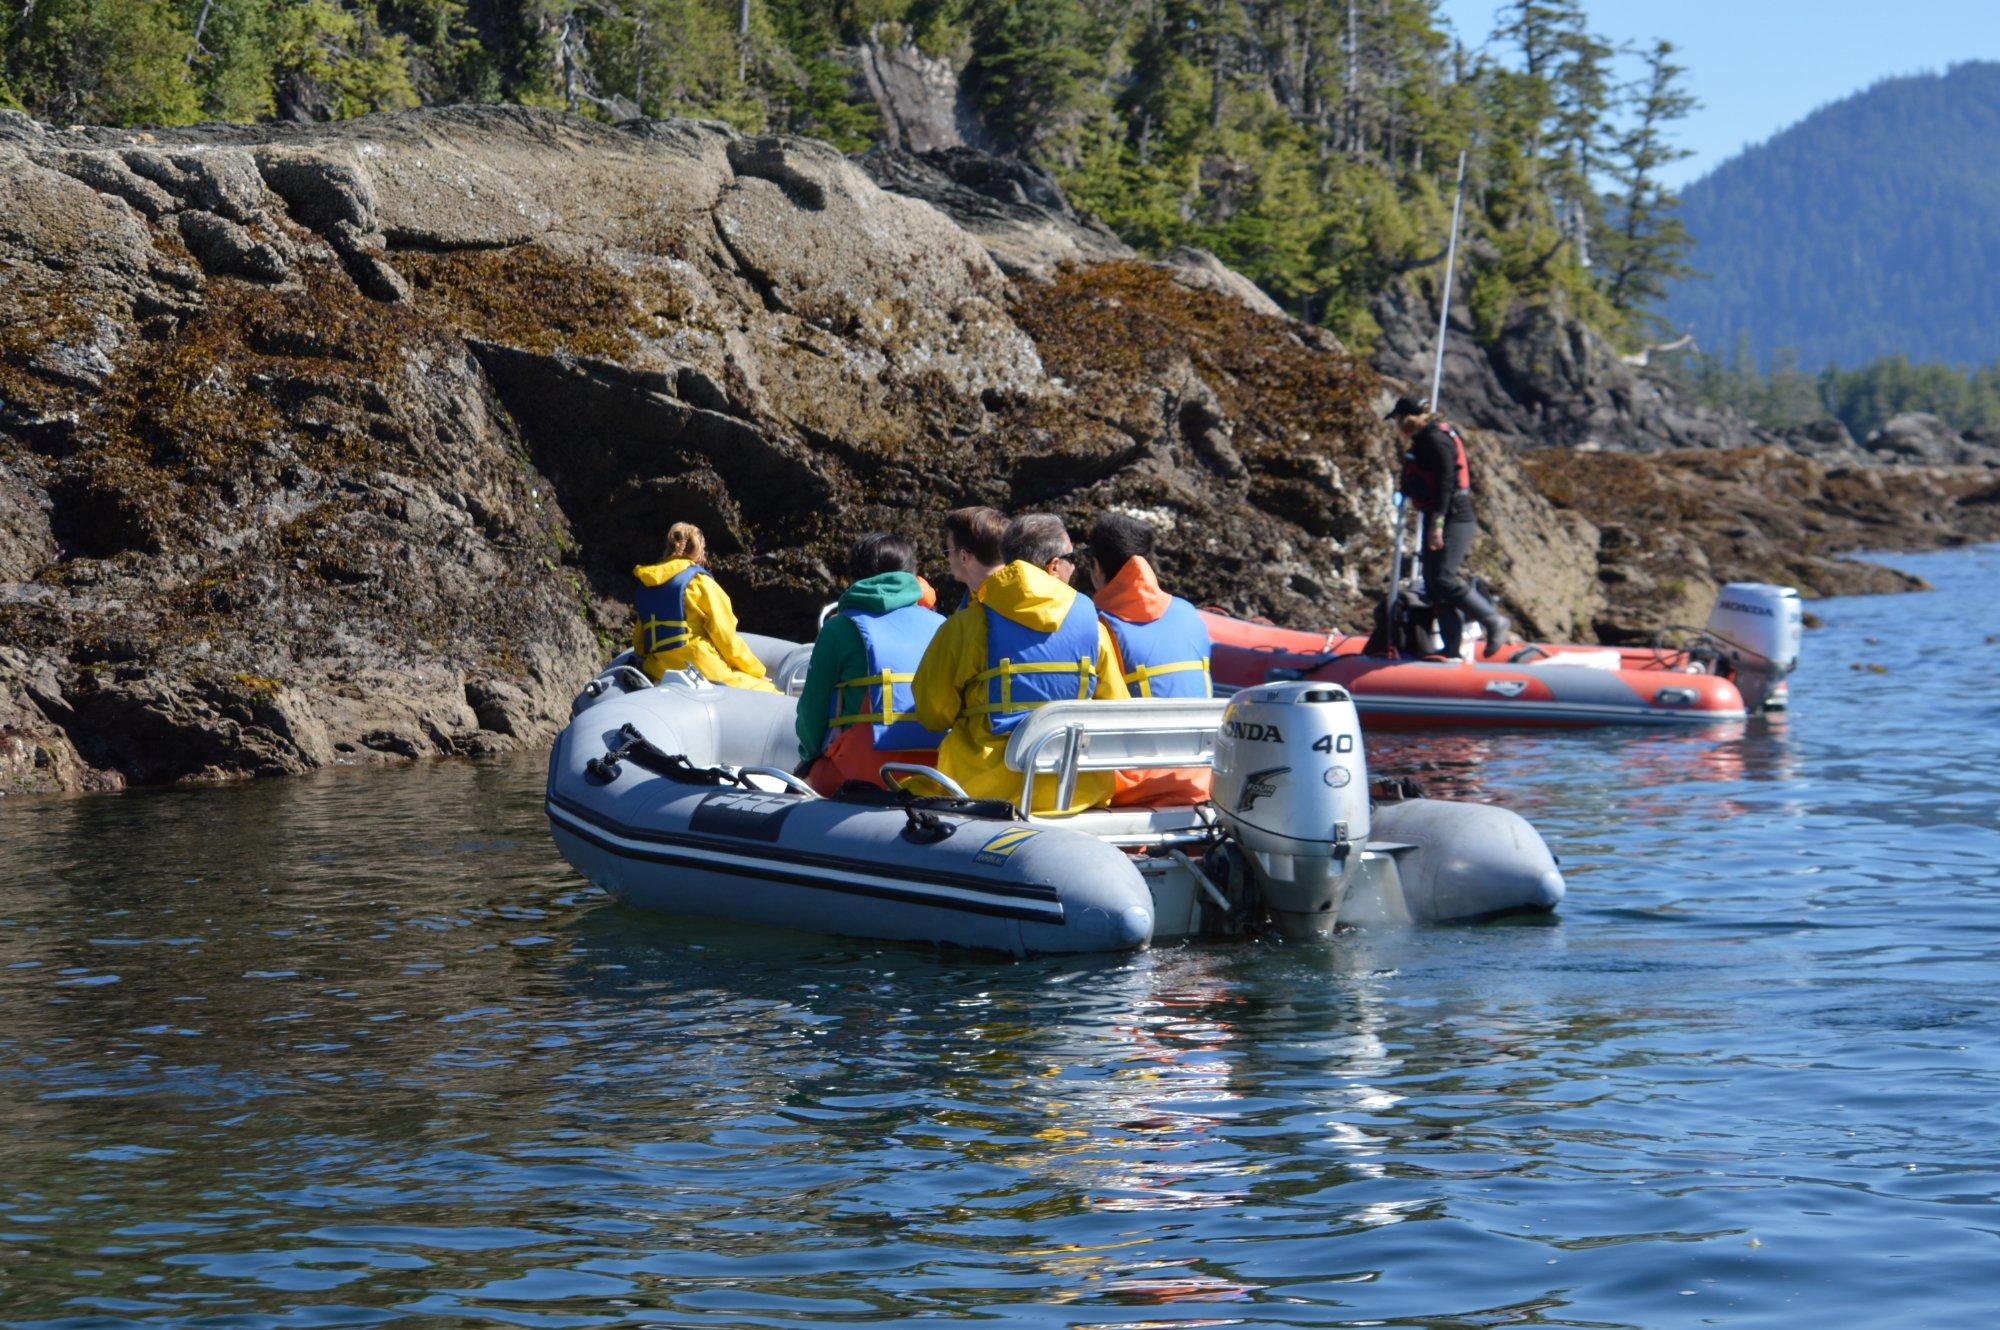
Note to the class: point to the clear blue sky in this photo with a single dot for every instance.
(1760, 65)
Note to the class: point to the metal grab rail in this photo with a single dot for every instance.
(890, 770)
(797, 785)
(1074, 758)
(1065, 770)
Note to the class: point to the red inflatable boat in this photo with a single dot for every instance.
(1750, 645)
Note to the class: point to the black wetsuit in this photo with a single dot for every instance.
(1433, 470)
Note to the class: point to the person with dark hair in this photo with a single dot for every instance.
(972, 546)
(685, 618)
(856, 712)
(1027, 640)
(1438, 483)
(1162, 648)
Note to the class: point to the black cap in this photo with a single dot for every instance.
(1405, 406)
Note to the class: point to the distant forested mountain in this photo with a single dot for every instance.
(1871, 228)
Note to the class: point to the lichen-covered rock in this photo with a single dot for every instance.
(1675, 526)
(337, 443)
(1542, 379)
(226, 249)
(1017, 212)
(223, 181)
(322, 191)
(1915, 436)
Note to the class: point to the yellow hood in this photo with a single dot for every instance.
(659, 574)
(1028, 596)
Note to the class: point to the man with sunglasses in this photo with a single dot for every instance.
(1027, 639)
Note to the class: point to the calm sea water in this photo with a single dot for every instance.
(359, 1049)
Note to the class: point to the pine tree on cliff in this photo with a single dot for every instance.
(1583, 94)
(1649, 245)
(1308, 142)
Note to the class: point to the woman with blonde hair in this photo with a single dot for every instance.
(686, 619)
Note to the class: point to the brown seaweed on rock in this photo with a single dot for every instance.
(337, 443)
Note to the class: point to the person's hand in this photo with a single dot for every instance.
(1435, 540)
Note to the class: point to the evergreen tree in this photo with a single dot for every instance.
(1648, 246)
(1583, 94)
(1308, 142)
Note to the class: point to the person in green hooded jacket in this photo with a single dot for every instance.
(857, 711)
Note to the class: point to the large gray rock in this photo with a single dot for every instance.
(336, 443)
(1827, 440)
(384, 503)
(1544, 379)
(918, 96)
(1018, 212)
(1915, 436)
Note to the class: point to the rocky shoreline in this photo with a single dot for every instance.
(335, 443)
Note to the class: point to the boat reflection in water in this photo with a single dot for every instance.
(1643, 775)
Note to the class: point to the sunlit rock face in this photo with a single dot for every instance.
(331, 443)
(336, 443)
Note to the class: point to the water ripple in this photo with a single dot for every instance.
(264, 1071)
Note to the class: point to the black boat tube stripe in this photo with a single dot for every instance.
(1051, 913)
(802, 858)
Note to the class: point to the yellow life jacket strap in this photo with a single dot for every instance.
(1085, 671)
(1143, 676)
(886, 714)
(679, 637)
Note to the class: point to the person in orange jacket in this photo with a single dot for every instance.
(1027, 639)
(685, 619)
(1162, 647)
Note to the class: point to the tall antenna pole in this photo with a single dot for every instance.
(1437, 383)
(1450, 264)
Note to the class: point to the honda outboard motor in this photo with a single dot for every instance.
(1291, 785)
(1757, 626)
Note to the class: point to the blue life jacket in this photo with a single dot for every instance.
(663, 612)
(894, 642)
(1026, 669)
(1167, 657)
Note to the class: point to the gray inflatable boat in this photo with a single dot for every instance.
(678, 798)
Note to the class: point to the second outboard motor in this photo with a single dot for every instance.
(1758, 628)
(1291, 785)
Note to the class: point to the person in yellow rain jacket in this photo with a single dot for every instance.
(1027, 639)
(686, 619)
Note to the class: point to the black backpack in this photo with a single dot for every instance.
(1414, 622)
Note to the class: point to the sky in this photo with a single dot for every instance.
(1761, 65)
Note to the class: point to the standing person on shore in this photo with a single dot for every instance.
(685, 618)
(1438, 483)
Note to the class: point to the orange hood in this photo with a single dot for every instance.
(1134, 595)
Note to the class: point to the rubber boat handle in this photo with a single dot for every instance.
(890, 770)
(627, 678)
(798, 786)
